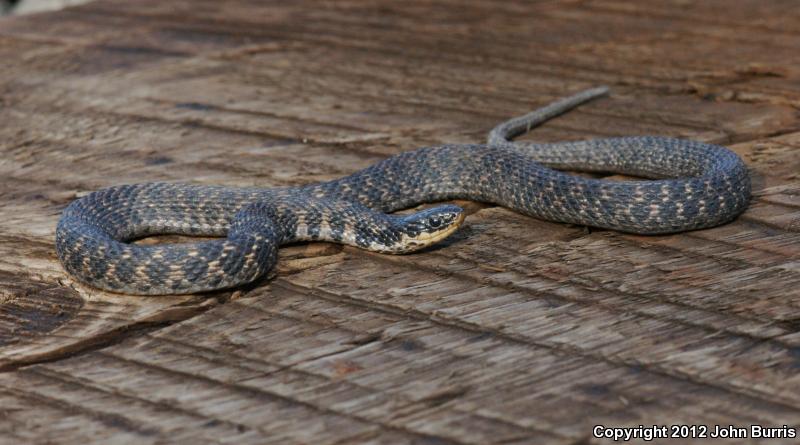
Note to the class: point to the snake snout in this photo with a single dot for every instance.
(430, 226)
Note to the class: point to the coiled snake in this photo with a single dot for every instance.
(709, 185)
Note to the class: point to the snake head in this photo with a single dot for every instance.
(427, 227)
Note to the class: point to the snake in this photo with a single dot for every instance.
(686, 185)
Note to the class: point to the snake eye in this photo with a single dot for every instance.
(435, 223)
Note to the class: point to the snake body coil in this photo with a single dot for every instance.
(708, 185)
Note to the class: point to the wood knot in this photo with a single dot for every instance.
(32, 308)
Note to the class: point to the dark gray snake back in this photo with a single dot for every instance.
(696, 185)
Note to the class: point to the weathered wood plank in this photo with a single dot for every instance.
(512, 331)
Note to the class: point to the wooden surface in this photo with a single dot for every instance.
(514, 331)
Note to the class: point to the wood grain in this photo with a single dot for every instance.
(513, 331)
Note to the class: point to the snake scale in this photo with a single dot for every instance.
(693, 185)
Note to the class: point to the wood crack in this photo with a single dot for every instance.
(558, 348)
